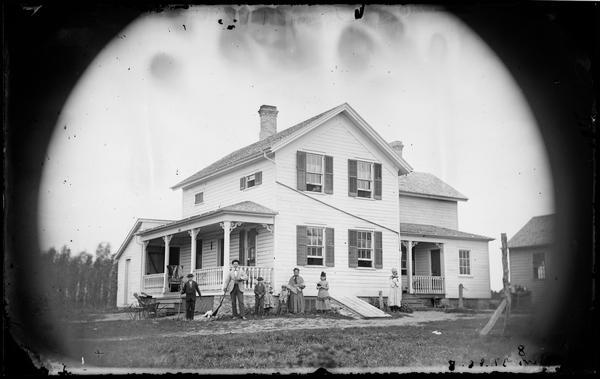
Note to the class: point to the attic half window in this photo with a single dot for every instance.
(199, 198)
(251, 180)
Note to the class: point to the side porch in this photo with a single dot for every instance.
(422, 268)
(204, 246)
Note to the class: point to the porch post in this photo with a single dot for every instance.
(143, 269)
(193, 234)
(409, 265)
(226, 225)
(167, 239)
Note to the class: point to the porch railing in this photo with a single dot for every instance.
(211, 279)
(154, 282)
(424, 284)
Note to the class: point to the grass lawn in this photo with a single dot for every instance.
(406, 345)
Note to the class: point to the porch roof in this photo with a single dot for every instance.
(248, 208)
(422, 230)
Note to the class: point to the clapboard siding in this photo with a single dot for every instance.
(339, 138)
(521, 271)
(416, 210)
(342, 140)
(225, 190)
(132, 251)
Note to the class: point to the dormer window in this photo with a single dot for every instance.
(251, 180)
(199, 198)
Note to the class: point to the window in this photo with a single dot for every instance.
(464, 262)
(539, 266)
(364, 179)
(365, 248)
(314, 172)
(251, 180)
(199, 198)
(314, 246)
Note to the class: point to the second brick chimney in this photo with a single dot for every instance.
(397, 146)
(268, 121)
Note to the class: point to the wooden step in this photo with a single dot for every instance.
(361, 307)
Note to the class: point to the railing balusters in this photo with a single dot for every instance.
(425, 284)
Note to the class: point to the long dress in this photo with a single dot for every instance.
(395, 294)
(296, 285)
(269, 303)
(323, 296)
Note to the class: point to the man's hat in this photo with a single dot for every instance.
(260, 279)
(190, 275)
(235, 260)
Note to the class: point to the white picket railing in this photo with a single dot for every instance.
(211, 279)
(154, 282)
(424, 284)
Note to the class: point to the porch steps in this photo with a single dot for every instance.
(359, 307)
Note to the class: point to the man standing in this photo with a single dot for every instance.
(190, 288)
(233, 286)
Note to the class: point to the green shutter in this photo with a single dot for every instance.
(258, 178)
(301, 170)
(328, 174)
(377, 179)
(301, 242)
(352, 174)
(242, 183)
(378, 250)
(352, 249)
(329, 247)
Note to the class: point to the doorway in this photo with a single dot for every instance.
(436, 266)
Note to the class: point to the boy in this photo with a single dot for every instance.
(259, 296)
(283, 300)
(189, 289)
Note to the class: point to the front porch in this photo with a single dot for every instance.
(422, 268)
(204, 245)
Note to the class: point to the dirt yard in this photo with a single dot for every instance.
(420, 339)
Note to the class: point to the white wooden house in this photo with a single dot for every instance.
(328, 194)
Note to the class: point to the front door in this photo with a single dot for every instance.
(251, 256)
(436, 268)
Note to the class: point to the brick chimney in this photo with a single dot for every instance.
(397, 146)
(268, 121)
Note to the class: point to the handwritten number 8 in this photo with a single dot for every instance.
(521, 350)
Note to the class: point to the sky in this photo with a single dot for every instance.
(173, 92)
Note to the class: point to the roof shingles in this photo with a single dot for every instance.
(423, 230)
(246, 152)
(422, 183)
(537, 232)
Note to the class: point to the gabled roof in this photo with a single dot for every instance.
(423, 184)
(278, 140)
(138, 223)
(422, 230)
(538, 231)
(244, 207)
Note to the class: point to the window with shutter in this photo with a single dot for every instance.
(315, 245)
(329, 248)
(352, 248)
(301, 170)
(251, 180)
(301, 242)
(352, 179)
(365, 248)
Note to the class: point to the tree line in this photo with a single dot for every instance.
(80, 281)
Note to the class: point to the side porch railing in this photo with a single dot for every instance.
(425, 284)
